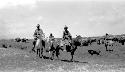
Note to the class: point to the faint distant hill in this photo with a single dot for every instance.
(92, 37)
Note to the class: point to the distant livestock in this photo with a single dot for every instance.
(92, 52)
(88, 42)
(17, 39)
(121, 40)
(4, 46)
(21, 40)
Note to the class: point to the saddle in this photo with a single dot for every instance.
(67, 42)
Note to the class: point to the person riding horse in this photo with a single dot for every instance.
(51, 39)
(66, 34)
(38, 34)
(67, 38)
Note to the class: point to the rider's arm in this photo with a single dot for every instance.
(35, 33)
(63, 34)
(70, 35)
(41, 32)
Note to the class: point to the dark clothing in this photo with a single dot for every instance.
(67, 35)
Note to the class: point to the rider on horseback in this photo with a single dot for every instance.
(66, 35)
(51, 38)
(38, 34)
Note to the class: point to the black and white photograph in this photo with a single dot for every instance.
(62, 35)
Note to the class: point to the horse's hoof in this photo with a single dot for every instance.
(71, 60)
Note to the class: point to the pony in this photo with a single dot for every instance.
(54, 48)
(39, 45)
(70, 45)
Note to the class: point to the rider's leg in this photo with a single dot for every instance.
(34, 45)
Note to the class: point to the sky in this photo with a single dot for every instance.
(18, 18)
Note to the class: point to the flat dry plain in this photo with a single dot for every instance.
(15, 58)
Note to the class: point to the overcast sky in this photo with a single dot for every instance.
(18, 18)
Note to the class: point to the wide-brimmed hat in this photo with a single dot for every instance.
(38, 25)
(65, 27)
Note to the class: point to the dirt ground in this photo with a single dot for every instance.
(17, 60)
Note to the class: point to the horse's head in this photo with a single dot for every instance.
(77, 41)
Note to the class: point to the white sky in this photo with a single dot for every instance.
(18, 18)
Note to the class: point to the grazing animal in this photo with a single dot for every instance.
(24, 40)
(108, 43)
(17, 40)
(92, 52)
(4, 46)
(121, 40)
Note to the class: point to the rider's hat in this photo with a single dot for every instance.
(38, 25)
(65, 27)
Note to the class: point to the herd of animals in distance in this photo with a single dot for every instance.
(25, 44)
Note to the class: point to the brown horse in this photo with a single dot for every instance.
(54, 48)
(70, 46)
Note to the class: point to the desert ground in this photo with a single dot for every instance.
(18, 58)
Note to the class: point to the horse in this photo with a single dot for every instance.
(70, 46)
(54, 48)
(38, 46)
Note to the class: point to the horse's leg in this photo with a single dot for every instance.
(57, 50)
(34, 43)
(72, 52)
(41, 53)
(106, 46)
(57, 53)
(39, 49)
(38, 52)
(53, 52)
(71, 58)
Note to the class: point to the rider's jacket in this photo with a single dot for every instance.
(67, 35)
(38, 34)
(51, 38)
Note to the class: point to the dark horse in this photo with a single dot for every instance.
(54, 49)
(74, 45)
(69, 46)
